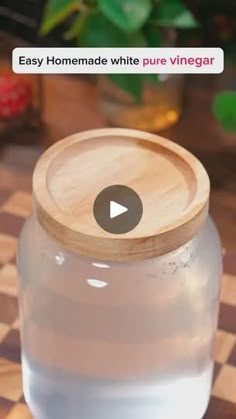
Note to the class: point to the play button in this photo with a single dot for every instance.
(118, 209)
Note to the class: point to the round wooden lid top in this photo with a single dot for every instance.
(171, 183)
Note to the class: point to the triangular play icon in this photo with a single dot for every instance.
(116, 209)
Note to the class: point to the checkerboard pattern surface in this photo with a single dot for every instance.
(15, 206)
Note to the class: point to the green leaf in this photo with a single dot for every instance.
(224, 109)
(77, 26)
(153, 36)
(56, 11)
(173, 13)
(152, 78)
(131, 83)
(100, 32)
(128, 15)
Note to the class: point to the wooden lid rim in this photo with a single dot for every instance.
(128, 247)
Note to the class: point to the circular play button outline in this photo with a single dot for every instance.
(118, 209)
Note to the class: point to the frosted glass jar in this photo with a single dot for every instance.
(106, 338)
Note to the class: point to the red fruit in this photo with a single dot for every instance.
(15, 95)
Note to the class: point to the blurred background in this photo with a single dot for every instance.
(196, 111)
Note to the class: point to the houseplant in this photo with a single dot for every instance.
(225, 101)
(137, 100)
(218, 29)
(225, 110)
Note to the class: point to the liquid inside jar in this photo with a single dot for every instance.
(120, 340)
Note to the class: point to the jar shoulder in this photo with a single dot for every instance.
(35, 247)
(34, 244)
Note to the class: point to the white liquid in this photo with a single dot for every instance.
(52, 395)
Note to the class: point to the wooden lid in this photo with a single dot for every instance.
(172, 184)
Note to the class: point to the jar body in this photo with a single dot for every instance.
(102, 339)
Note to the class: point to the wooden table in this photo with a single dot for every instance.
(77, 110)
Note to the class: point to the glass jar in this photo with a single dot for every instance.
(161, 103)
(160, 108)
(119, 325)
